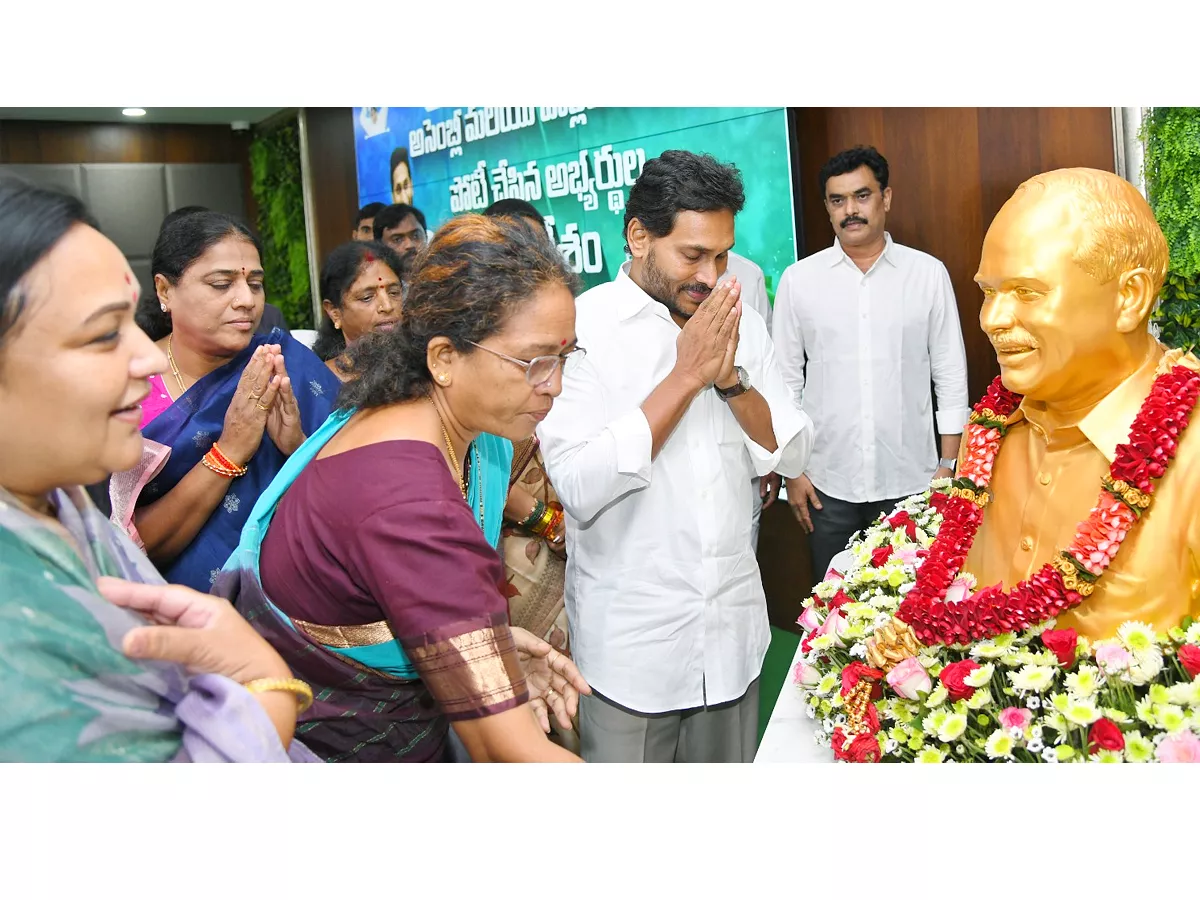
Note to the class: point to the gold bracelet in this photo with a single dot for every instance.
(304, 694)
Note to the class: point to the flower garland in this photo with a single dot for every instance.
(1033, 696)
(1071, 575)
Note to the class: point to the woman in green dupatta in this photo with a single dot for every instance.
(85, 678)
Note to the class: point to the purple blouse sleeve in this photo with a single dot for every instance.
(222, 722)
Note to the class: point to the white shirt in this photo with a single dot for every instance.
(664, 595)
(859, 351)
(753, 282)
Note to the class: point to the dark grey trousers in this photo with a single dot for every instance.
(835, 522)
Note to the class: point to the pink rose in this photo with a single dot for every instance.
(1012, 717)
(835, 625)
(1113, 658)
(809, 620)
(805, 675)
(907, 555)
(1179, 748)
(959, 590)
(909, 679)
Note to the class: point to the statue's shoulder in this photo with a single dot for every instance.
(1173, 358)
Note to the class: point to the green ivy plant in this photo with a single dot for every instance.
(1171, 135)
(277, 189)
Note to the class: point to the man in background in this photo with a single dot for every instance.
(364, 229)
(401, 227)
(861, 328)
(401, 169)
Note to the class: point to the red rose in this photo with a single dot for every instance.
(1105, 736)
(953, 677)
(840, 598)
(1189, 657)
(1062, 644)
(871, 718)
(856, 672)
(903, 520)
(880, 555)
(862, 748)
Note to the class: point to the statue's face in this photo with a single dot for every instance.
(1053, 326)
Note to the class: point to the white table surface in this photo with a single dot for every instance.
(790, 732)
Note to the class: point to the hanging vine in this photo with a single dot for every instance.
(278, 191)
(1171, 135)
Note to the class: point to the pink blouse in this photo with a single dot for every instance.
(156, 402)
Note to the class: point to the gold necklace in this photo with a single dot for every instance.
(462, 485)
(175, 368)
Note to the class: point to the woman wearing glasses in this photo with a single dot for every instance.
(365, 564)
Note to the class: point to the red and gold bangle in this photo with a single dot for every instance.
(218, 462)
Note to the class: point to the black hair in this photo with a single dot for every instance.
(179, 214)
(391, 216)
(342, 267)
(32, 221)
(182, 240)
(464, 286)
(399, 155)
(855, 158)
(681, 180)
(367, 212)
(514, 206)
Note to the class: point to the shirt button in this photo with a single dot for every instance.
(1044, 478)
(1026, 543)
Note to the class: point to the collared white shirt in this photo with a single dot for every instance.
(858, 351)
(664, 596)
(753, 282)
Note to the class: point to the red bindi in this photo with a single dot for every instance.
(562, 343)
(370, 257)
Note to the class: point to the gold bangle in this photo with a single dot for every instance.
(304, 694)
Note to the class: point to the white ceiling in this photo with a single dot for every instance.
(183, 115)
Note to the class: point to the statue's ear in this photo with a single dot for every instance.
(1135, 299)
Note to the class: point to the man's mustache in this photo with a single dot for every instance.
(853, 220)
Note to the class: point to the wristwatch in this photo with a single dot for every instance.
(950, 464)
(743, 385)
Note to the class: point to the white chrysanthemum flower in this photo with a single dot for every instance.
(1059, 702)
(824, 642)
(1144, 710)
(1084, 682)
(930, 755)
(810, 712)
(859, 650)
(1170, 717)
(1058, 722)
(1032, 678)
(1117, 716)
(988, 650)
(890, 746)
(980, 676)
(1138, 637)
(826, 684)
(934, 721)
(1064, 752)
(1192, 635)
(937, 696)
(1107, 756)
(1147, 664)
(881, 619)
(1137, 748)
(929, 662)
(979, 700)
(999, 745)
(1082, 712)
(953, 728)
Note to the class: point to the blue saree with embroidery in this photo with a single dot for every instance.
(195, 420)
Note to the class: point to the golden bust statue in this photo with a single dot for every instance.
(1071, 267)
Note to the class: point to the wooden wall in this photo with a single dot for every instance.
(32, 143)
(951, 169)
(334, 175)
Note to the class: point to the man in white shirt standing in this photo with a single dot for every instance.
(754, 295)
(651, 447)
(861, 329)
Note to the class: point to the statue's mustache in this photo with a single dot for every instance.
(1012, 340)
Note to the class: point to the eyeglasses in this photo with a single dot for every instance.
(837, 201)
(540, 369)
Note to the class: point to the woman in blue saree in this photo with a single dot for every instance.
(236, 404)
